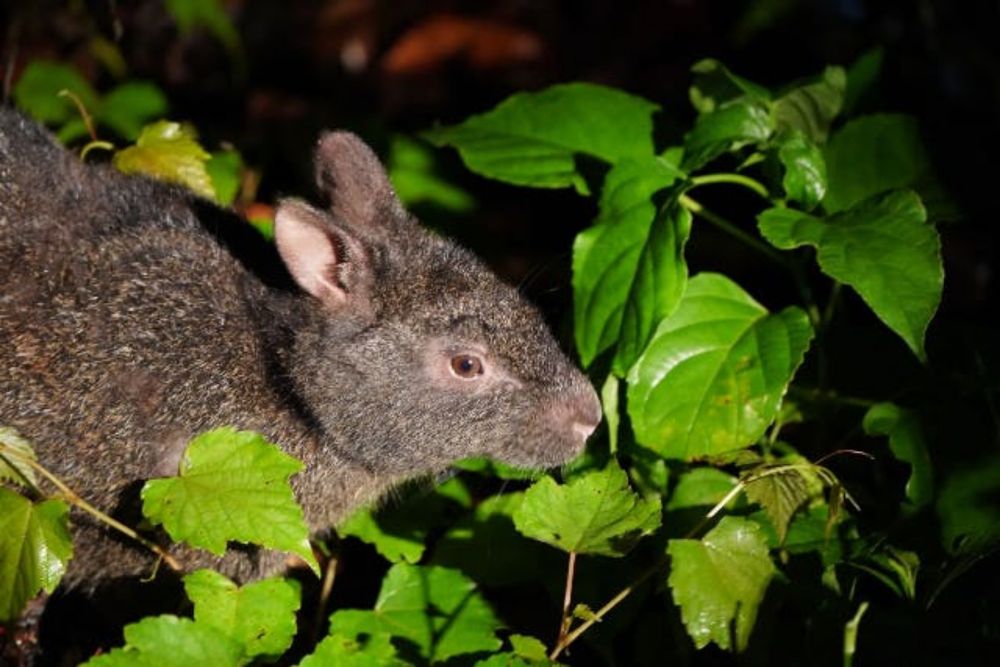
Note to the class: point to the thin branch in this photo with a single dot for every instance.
(736, 179)
(698, 209)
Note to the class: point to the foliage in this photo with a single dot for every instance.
(713, 478)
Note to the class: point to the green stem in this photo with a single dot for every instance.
(698, 209)
(74, 499)
(736, 179)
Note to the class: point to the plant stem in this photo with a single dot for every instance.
(737, 179)
(567, 619)
(698, 209)
(74, 499)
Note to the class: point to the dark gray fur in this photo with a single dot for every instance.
(134, 315)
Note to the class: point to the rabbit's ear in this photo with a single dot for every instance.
(351, 176)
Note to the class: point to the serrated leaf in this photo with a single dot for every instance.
(170, 152)
(532, 139)
(596, 513)
(399, 531)
(727, 128)
(873, 154)
(811, 108)
(714, 85)
(128, 107)
(233, 485)
(629, 269)
(169, 641)
(37, 91)
(782, 491)
(906, 440)
(260, 615)
(713, 376)
(883, 248)
(13, 467)
(529, 648)
(719, 581)
(437, 609)
(338, 650)
(35, 547)
(804, 180)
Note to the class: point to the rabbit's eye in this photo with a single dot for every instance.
(466, 366)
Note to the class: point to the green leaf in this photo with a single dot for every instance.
(811, 108)
(233, 485)
(714, 85)
(906, 440)
(169, 641)
(968, 505)
(126, 108)
(338, 650)
(596, 513)
(713, 376)
(782, 491)
(701, 487)
(482, 465)
(533, 138)
(805, 171)
(719, 581)
(629, 269)
(728, 128)
(260, 616)
(883, 248)
(225, 168)
(861, 77)
(873, 154)
(437, 609)
(13, 467)
(411, 171)
(529, 648)
(807, 533)
(170, 152)
(398, 531)
(35, 547)
(208, 14)
(611, 409)
(37, 92)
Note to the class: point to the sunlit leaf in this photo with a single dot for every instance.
(811, 108)
(533, 138)
(713, 376)
(883, 248)
(233, 485)
(719, 581)
(35, 547)
(13, 467)
(170, 152)
(596, 512)
(367, 650)
(727, 128)
(169, 641)
(804, 180)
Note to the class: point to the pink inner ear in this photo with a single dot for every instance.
(308, 251)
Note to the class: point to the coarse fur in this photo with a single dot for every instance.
(135, 315)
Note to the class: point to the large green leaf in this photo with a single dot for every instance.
(233, 485)
(412, 173)
(533, 138)
(810, 108)
(437, 609)
(629, 269)
(35, 547)
(727, 128)
(906, 440)
(883, 248)
(712, 378)
(873, 154)
(719, 582)
(169, 641)
(170, 152)
(596, 512)
(37, 91)
(260, 615)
